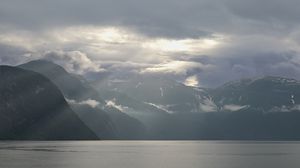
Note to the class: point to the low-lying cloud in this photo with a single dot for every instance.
(113, 103)
(74, 61)
(89, 102)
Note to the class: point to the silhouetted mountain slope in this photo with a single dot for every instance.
(127, 127)
(73, 88)
(31, 107)
(95, 120)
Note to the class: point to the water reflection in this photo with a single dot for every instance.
(149, 154)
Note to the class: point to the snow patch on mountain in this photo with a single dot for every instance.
(161, 92)
(234, 107)
(292, 99)
(208, 105)
(284, 108)
(161, 107)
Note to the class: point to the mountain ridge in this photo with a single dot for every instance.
(79, 91)
(33, 108)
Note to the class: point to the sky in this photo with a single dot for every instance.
(198, 42)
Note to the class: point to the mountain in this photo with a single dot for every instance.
(166, 95)
(33, 108)
(127, 127)
(79, 92)
(264, 108)
(150, 107)
(165, 106)
(269, 94)
(95, 120)
(71, 86)
(148, 114)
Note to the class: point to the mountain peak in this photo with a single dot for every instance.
(44, 64)
(282, 80)
(265, 79)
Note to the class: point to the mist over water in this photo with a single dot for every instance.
(149, 154)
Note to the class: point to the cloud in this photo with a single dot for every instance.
(89, 102)
(112, 103)
(89, 49)
(212, 40)
(245, 65)
(176, 67)
(156, 18)
(74, 61)
(191, 81)
(275, 11)
(11, 55)
(119, 51)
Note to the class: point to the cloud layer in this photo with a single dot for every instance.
(200, 42)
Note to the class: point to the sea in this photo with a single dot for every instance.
(149, 154)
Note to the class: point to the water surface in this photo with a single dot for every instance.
(149, 154)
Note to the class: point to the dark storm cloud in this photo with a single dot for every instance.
(171, 18)
(266, 10)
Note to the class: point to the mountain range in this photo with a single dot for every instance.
(88, 103)
(144, 107)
